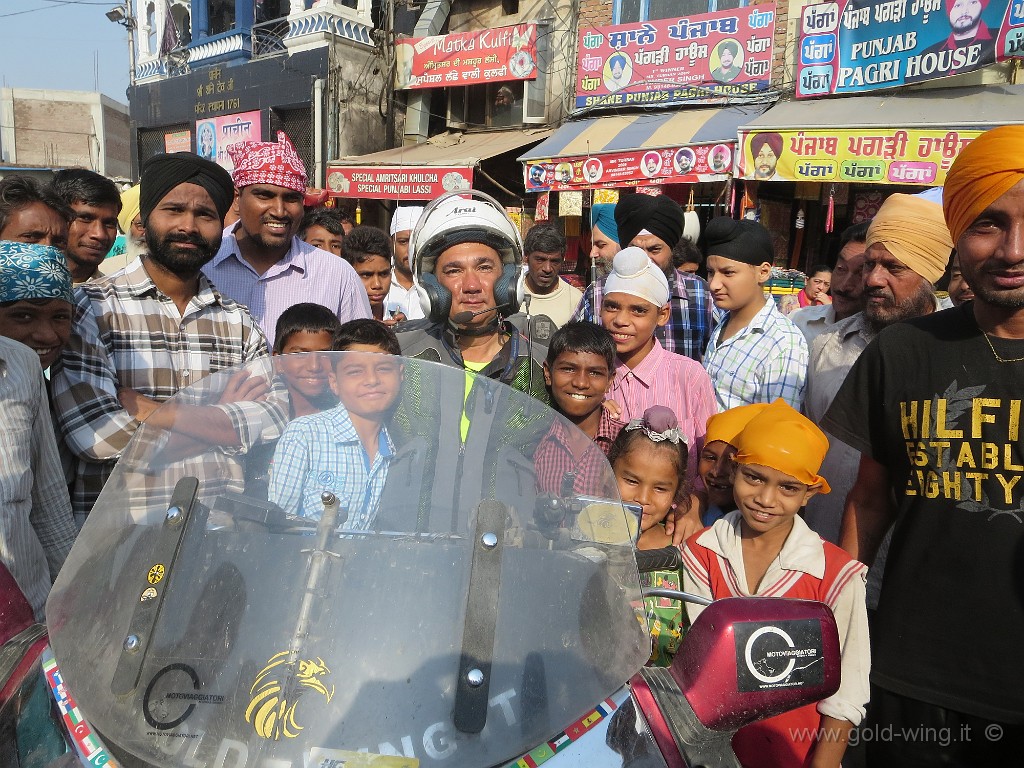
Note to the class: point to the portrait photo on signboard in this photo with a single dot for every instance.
(650, 164)
(766, 149)
(967, 30)
(720, 158)
(563, 173)
(618, 71)
(593, 169)
(537, 175)
(727, 61)
(206, 140)
(684, 161)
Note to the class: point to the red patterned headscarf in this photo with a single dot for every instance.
(264, 162)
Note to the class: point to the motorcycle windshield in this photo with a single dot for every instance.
(427, 568)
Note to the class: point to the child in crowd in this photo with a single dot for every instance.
(305, 327)
(755, 354)
(765, 549)
(321, 227)
(347, 449)
(649, 460)
(578, 371)
(369, 251)
(636, 302)
(716, 460)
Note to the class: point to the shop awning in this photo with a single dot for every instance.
(424, 171)
(907, 138)
(678, 146)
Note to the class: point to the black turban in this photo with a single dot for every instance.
(745, 241)
(661, 216)
(163, 173)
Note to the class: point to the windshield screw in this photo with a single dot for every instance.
(327, 498)
(489, 540)
(475, 678)
(131, 643)
(174, 515)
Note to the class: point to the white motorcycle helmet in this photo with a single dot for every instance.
(467, 216)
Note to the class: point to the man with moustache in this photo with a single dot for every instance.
(933, 407)
(261, 263)
(655, 224)
(907, 247)
(154, 328)
(847, 287)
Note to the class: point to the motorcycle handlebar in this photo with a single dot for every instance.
(665, 559)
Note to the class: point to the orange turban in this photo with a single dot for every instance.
(727, 425)
(986, 170)
(781, 438)
(912, 229)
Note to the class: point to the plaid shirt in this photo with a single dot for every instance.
(128, 334)
(561, 473)
(322, 452)
(36, 527)
(689, 326)
(766, 360)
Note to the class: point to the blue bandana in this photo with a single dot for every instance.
(33, 272)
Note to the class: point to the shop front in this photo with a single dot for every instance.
(812, 168)
(373, 184)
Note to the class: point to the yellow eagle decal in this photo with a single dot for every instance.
(272, 704)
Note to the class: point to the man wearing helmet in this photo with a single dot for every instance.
(467, 255)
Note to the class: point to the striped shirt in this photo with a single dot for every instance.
(689, 324)
(322, 452)
(764, 361)
(36, 527)
(674, 381)
(305, 274)
(127, 333)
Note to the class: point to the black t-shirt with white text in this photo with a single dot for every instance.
(929, 401)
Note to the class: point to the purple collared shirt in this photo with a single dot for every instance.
(305, 274)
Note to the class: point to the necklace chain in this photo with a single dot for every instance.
(997, 356)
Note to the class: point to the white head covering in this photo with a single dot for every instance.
(634, 273)
(405, 218)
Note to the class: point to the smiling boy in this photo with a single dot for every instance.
(765, 549)
(347, 449)
(578, 372)
(635, 303)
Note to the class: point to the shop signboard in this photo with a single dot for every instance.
(215, 134)
(707, 57)
(879, 156)
(178, 141)
(672, 165)
(406, 182)
(468, 58)
(852, 46)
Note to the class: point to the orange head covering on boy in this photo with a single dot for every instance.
(781, 438)
(727, 425)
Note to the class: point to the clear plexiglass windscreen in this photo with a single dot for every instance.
(408, 568)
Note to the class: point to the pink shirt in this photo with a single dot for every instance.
(305, 274)
(675, 381)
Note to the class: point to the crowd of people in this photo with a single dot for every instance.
(863, 451)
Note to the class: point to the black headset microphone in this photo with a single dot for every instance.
(461, 318)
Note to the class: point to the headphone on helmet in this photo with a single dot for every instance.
(455, 218)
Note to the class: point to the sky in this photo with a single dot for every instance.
(56, 43)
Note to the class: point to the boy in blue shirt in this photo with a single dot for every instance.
(345, 450)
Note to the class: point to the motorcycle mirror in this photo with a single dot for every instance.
(747, 659)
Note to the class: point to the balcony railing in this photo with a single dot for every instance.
(268, 37)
